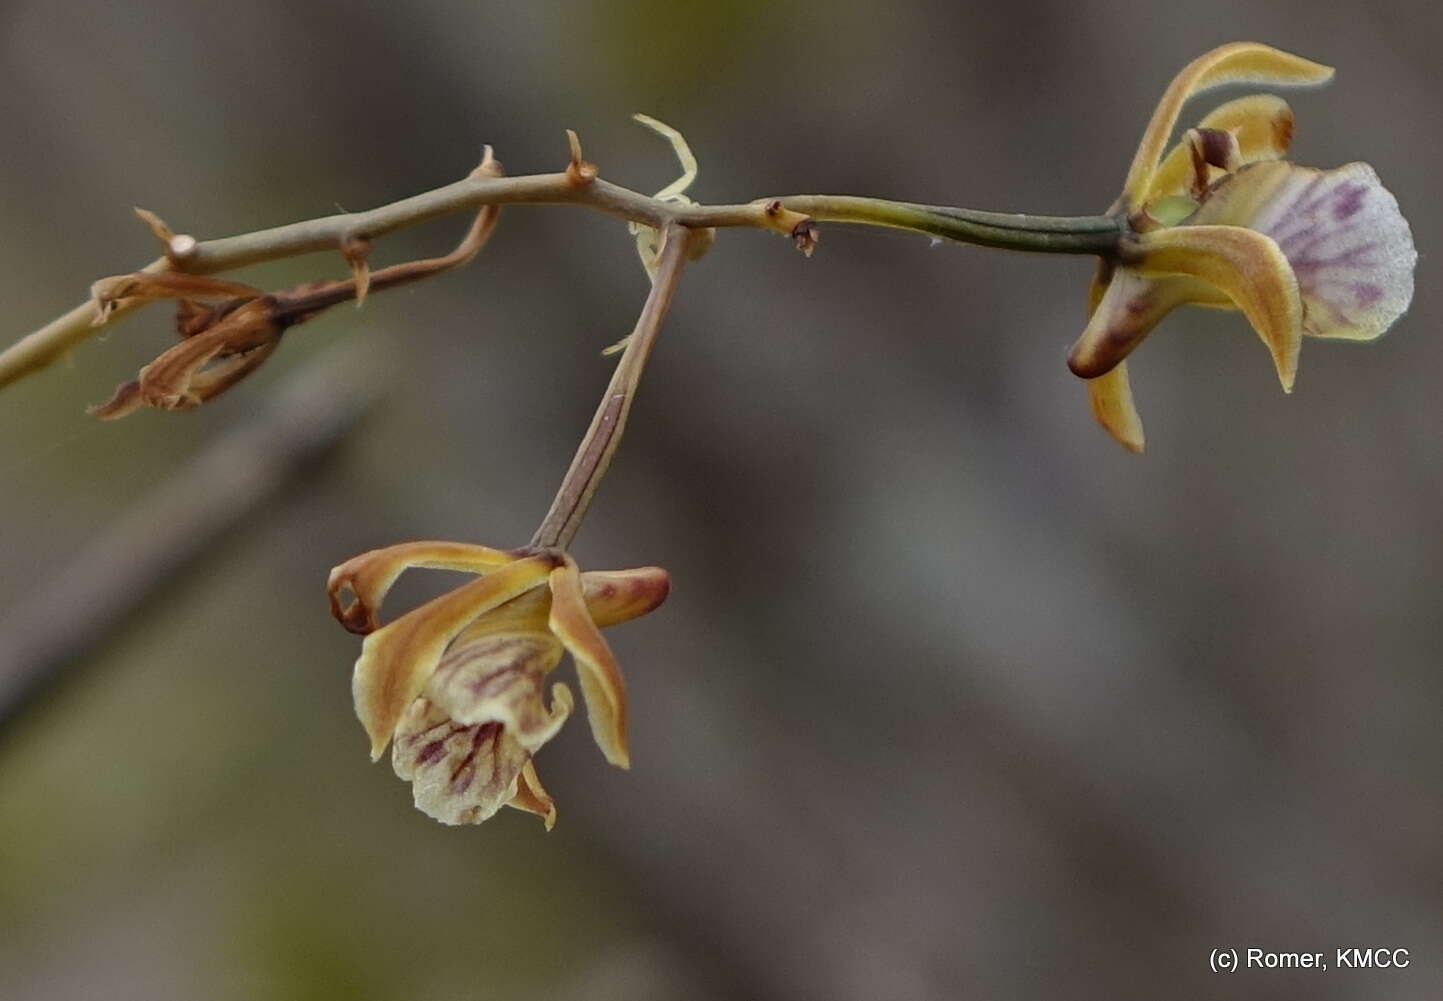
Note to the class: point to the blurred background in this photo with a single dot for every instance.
(952, 697)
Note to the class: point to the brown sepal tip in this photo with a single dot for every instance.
(357, 251)
(355, 616)
(125, 400)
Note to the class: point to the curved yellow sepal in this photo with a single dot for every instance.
(1262, 125)
(615, 596)
(369, 576)
(1238, 62)
(1113, 407)
(601, 683)
(532, 797)
(1248, 267)
(1127, 312)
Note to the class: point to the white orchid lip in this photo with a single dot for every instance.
(1348, 244)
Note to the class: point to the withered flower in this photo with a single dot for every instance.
(228, 329)
(1223, 221)
(458, 683)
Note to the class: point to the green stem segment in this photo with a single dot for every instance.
(1009, 231)
(594, 454)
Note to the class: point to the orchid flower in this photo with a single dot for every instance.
(458, 683)
(1223, 221)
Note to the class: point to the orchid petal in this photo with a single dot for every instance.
(601, 682)
(1262, 125)
(397, 660)
(1101, 279)
(532, 797)
(615, 596)
(370, 575)
(1348, 245)
(1248, 267)
(1239, 62)
(1110, 395)
(498, 677)
(1127, 312)
(459, 774)
(1113, 407)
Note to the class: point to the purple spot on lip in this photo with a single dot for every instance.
(1367, 294)
(1350, 200)
(431, 752)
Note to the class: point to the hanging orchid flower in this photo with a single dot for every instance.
(459, 683)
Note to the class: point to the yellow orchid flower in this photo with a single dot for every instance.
(457, 683)
(1222, 221)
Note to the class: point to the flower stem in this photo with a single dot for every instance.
(594, 454)
(1047, 234)
(1010, 231)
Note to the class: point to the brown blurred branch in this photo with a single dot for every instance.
(44, 639)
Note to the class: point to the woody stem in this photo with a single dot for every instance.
(1047, 234)
(594, 454)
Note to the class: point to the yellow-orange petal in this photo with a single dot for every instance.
(614, 596)
(1097, 288)
(532, 797)
(397, 660)
(1341, 231)
(1127, 312)
(602, 685)
(1238, 62)
(1247, 266)
(1113, 407)
(370, 575)
(1262, 125)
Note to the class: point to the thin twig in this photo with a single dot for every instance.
(602, 438)
(789, 215)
